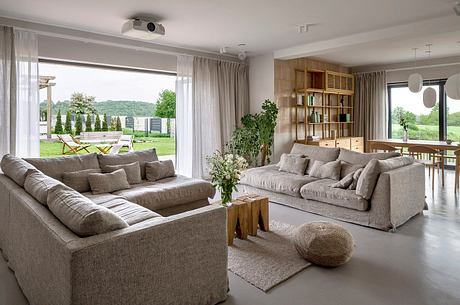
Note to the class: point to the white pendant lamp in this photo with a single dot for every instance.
(429, 97)
(415, 81)
(453, 87)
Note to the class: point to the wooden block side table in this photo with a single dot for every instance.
(259, 216)
(237, 220)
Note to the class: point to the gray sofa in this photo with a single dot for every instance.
(399, 194)
(178, 257)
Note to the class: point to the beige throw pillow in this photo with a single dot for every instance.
(38, 185)
(79, 180)
(347, 168)
(159, 170)
(368, 179)
(356, 176)
(108, 183)
(295, 164)
(133, 171)
(81, 215)
(345, 182)
(322, 170)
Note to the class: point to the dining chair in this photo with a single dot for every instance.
(429, 157)
(375, 147)
(457, 169)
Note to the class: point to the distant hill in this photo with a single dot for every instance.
(112, 108)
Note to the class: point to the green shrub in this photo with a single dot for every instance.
(88, 127)
(118, 125)
(105, 125)
(78, 125)
(58, 127)
(97, 123)
(68, 123)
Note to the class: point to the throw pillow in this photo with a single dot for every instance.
(38, 185)
(81, 215)
(108, 183)
(295, 164)
(133, 171)
(159, 169)
(368, 179)
(79, 180)
(324, 170)
(356, 176)
(347, 168)
(345, 182)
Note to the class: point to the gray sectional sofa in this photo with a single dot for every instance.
(171, 250)
(398, 194)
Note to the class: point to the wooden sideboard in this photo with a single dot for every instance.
(352, 143)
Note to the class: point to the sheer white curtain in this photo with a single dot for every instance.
(211, 109)
(19, 109)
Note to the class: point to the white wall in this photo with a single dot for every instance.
(261, 80)
(427, 73)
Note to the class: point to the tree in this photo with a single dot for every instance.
(78, 125)
(81, 103)
(88, 123)
(58, 127)
(118, 128)
(68, 123)
(105, 125)
(97, 123)
(113, 124)
(166, 106)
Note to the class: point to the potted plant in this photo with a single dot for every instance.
(225, 171)
(405, 125)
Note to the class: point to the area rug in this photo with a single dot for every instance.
(267, 259)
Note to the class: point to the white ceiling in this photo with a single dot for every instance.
(264, 25)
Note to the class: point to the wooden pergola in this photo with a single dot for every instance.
(45, 83)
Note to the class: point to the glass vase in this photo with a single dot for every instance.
(226, 196)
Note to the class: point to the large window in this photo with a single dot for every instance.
(119, 99)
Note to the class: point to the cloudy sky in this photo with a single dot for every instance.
(105, 84)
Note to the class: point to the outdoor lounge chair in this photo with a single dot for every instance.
(72, 146)
(126, 141)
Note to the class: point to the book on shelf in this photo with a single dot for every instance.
(313, 138)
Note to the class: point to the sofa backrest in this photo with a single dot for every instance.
(56, 167)
(354, 157)
(325, 154)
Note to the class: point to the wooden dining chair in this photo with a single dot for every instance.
(382, 147)
(457, 169)
(430, 157)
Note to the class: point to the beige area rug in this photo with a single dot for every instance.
(267, 259)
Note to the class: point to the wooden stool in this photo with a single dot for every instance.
(237, 220)
(259, 215)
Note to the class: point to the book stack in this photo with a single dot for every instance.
(313, 138)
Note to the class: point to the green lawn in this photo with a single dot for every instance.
(164, 146)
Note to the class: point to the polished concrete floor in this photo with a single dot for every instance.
(419, 264)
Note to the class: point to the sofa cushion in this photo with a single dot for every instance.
(394, 163)
(130, 212)
(347, 168)
(79, 180)
(157, 170)
(101, 198)
(345, 182)
(38, 185)
(108, 183)
(330, 170)
(322, 191)
(271, 179)
(362, 159)
(168, 192)
(142, 156)
(15, 168)
(368, 179)
(296, 164)
(356, 176)
(325, 154)
(132, 170)
(56, 167)
(80, 214)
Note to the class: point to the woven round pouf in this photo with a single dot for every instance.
(324, 243)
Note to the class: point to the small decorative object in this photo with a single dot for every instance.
(225, 172)
(324, 243)
(449, 141)
(405, 125)
(429, 97)
(453, 87)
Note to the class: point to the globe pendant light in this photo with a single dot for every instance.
(415, 81)
(453, 87)
(429, 97)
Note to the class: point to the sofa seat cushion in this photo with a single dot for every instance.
(55, 167)
(130, 212)
(168, 192)
(271, 179)
(321, 190)
(101, 198)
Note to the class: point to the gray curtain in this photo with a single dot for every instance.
(370, 105)
(219, 98)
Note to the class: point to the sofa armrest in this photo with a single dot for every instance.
(181, 259)
(398, 196)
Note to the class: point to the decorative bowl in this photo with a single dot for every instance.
(449, 141)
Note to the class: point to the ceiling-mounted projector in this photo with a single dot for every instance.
(142, 28)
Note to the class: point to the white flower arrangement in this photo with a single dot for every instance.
(225, 172)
